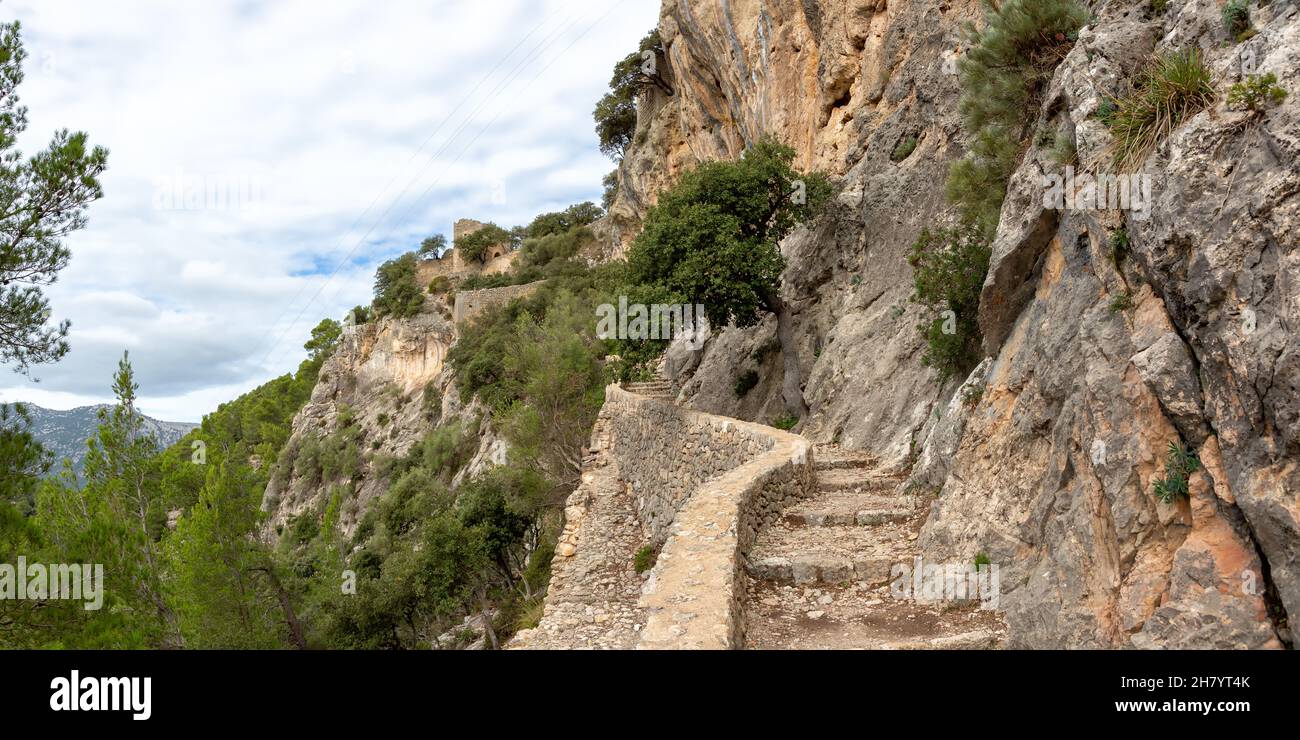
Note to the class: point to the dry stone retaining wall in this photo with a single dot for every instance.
(471, 303)
(702, 485)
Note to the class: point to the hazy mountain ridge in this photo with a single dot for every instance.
(64, 433)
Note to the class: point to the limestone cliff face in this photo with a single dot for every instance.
(378, 377)
(1051, 472)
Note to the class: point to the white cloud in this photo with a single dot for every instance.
(333, 136)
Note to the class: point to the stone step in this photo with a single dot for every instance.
(826, 569)
(859, 518)
(841, 508)
(830, 554)
(854, 479)
(834, 457)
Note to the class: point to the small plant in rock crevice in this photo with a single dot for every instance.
(1176, 86)
(645, 558)
(1236, 19)
(971, 395)
(904, 149)
(1256, 93)
(1119, 246)
(1121, 302)
(948, 270)
(1180, 463)
(786, 422)
(745, 383)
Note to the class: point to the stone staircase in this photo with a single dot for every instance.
(820, 577)
(657, 387)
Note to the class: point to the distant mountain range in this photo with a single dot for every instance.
(64, 433)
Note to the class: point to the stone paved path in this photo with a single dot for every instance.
(820, 577)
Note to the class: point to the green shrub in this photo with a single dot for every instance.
(1158, 6)
(1175, 87)
(904, 149)
(1064, 151)
(713, 239)
(431, 402)
(786, 422)
(745, 383)
(948, 270)
(1180, 463)
(560, 222)
(542, 250)
(645, 559)
(982, 559)
(1010, 61)
(396, 291)
(1119, 246)
(440, 284)
(1256, 93)
(1236, 18)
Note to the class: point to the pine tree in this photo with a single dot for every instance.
(220, 583)
(42, 200)
(116, 517)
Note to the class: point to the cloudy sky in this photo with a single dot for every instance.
(264, 157)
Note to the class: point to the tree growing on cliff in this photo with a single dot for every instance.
(713, 240)
(1010, 61)
(42, 200)
(397, 292)
(615, 113)
(324, 337)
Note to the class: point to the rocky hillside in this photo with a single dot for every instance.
(64, 433)
(1095, 365)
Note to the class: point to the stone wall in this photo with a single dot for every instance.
(471, 303)
(695, 485)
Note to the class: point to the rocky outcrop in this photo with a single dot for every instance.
(377, 378)
(1057, 465)
(1095, 366)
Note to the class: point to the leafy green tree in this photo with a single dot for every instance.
(615, 113)
(559, 222)
(432, 246)
(713, 239)
(475, 245)
(42, 200)
(397, 291)
(556, 365)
